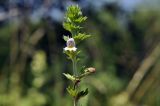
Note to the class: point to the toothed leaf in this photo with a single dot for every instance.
(65, 37)
(72, 92)
(70, 77)
(80, 37)
(82, 94)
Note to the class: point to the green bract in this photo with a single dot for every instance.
(73, 23)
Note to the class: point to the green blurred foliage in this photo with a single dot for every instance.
(32, 62)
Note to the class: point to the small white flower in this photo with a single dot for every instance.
(70, 45)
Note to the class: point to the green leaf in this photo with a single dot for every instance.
(70, 77)
(83, 68)
(78, 59)
(67, 26)
(80, 20)
(72, 92)
(78, 52)
(80, 37)
(73, 19)
(71, 27)
(73, 11)
(82, 94)
(65, 37)
(70, 54)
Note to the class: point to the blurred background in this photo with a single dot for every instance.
(124, 49)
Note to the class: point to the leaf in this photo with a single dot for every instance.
(80, 19)
(65, 37)
(78, 59)
(70, 54)
(67, 26)
(83, 68)
(72, 92)
(73, 19)
(70, 77)
(80, 37)
(82, 94)
(71, 27)
(78, 52)
(73, 11)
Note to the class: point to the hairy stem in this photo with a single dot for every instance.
(75, 73)
(74, 66)
(75, 102)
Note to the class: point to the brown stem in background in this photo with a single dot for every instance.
(147, 83)
(142, 70)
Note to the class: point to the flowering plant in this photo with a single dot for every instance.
(73, 20)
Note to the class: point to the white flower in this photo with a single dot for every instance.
(70, 49)
(70, 45)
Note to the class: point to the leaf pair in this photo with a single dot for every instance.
(87, 72)
(72, 54)
(75, 94)
(78, 38)
(70, 77)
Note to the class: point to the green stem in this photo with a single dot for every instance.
(75, 102)
(74, 66)
(75, 73)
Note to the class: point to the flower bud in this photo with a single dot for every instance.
(91, 70)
